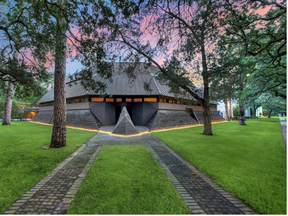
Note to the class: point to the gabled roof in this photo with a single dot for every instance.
(122, 84)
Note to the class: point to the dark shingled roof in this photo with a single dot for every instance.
(122, 84)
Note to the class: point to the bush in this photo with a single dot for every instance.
(236, 110)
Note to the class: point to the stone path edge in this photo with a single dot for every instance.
(21, 201)
(190, 202)
(77, 184)
(237, 202)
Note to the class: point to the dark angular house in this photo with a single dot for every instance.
(155, 109)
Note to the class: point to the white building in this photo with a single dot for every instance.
(231, 105)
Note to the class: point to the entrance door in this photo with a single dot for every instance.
(129, 109)
(117, 113)
(119, 109)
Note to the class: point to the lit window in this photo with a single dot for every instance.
(97, 99)
(161, 100)
(128, 100)
(110, 100)
(137, 100)
(118, 100)
(178, 102)
(170, 101)
(150, 99)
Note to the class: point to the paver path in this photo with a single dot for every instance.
(54, 193)
(201, 194)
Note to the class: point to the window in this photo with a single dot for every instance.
(161, 100)
(178, 102)
(170, 101)
(93, 99)
(128, 100)
(118, 100)
(150, 99)
(137, 100)
(109, 100)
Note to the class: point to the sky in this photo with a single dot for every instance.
(73, 66)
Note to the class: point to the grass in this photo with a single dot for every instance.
(249, 161)
(23, 160)
(265, 119)
(127, 180)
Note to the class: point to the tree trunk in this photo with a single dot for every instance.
(206, 118)
(226, 110)
(269, 114)
(230, 109)
(241, 114)
(8, 105)
(254, 110)
(205, 102)
(59, 121)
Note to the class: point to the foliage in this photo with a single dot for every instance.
(24, 47)
(23, 160)
(271, 103)
(182, 33)
(249, 161)
(236, 110)
(127, 180)
(263, 37)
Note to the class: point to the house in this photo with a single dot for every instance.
(155, 109)
(231, 105)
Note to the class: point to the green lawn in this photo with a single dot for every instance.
(265, 119)
(127, 180)
(249, 161)
(23, 160)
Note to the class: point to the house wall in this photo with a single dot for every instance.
(105, 112)
(74, 106)
(141, 112)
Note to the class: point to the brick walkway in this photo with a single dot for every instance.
(54, 193)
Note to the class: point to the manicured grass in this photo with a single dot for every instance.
(127, 180)
(23, 160)
(249, 161)
(265, 119)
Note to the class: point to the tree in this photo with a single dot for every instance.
(22, 58)
(29, 29)
(8, 105)
(58, 138)
(262, 36)
(252, 102)
(225, 83)
(271, 103)
(184, 31)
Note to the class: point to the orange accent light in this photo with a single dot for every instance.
(137, 100)
(97, 99)
(150, 99)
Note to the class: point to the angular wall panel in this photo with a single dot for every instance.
(164, 119)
